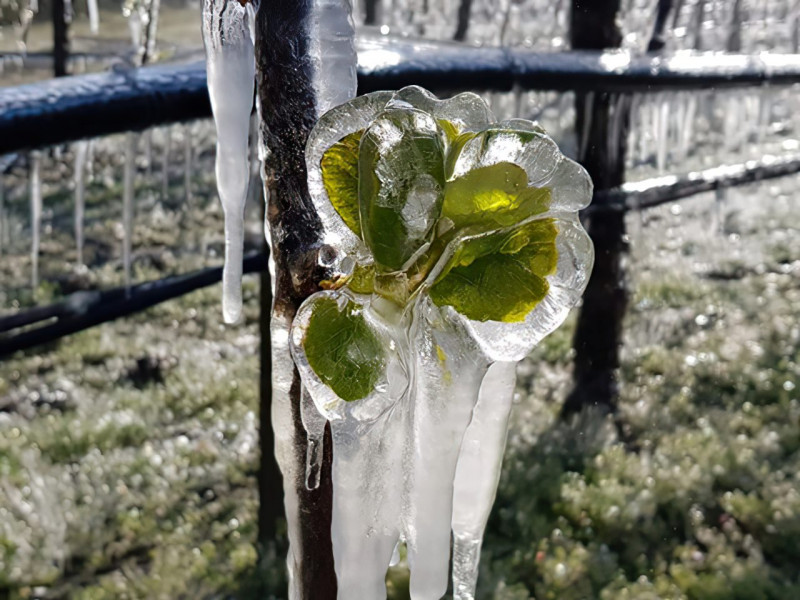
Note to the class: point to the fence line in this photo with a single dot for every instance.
(77, 107)
(649, 193)
(128, 99)
(83, 310)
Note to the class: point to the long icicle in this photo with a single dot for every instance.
(127, 207)
(81, 152)
(230, 60)
(36, 216)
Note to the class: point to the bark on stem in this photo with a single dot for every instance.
(289, 109)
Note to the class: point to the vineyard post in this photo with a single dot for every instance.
(601, 125)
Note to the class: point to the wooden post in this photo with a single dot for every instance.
(60, 39)
(289, 110)
(657, 41)
(371, 12)
(464, 11)
(601, 124)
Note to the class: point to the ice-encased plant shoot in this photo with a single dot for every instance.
(459, 249)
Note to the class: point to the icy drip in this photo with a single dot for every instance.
(81, 152)
(314, 425)
(147, 136)
(420, 459)
(187, 164)
(94, 16)
(3, 217)
(36, 216)
(478, 473)
(165, 163)
(127, 207)
(230, 60)
(142, 18)
(662, 135)
(333, 53)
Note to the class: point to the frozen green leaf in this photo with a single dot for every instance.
(501, 276)
(493, 197)
(342, 349)
(401, 179)
(339, 166)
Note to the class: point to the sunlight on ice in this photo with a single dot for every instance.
(230, 61)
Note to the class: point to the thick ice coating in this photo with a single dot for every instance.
(230, 62)
(468, 251)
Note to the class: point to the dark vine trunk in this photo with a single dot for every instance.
(601, 124)
(370, 12)
(464, 12)
(60, 39)
(288, 113)
(658, 41)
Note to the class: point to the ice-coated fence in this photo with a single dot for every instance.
(80, 107)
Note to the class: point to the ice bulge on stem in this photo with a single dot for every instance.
(468, 250)
(230, 62)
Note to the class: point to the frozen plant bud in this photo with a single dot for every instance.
(466, 251)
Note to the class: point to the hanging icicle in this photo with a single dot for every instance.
(128, 207)
(230, 61)
(36, 216)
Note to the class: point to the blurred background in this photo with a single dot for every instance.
(129, 450)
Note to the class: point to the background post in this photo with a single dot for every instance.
(601, 124)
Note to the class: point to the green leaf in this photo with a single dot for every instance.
(454, 147)
(342, 349)
(451, 130)
(339, 167)
(501, 276)
(363, 279)
(401, 180)
(493, 197)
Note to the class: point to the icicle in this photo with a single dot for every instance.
(662, 136)
(151, 9)
(718, 222)
(165, 164)
(36, 216)
(230, 60)
(587, 125)
(81, 151)
(687, 127)
(314, 424)
(3, 216)
(148, 151)
(134, 28)
(333, 53)
(478, 474)
(187, 164)
(94, 16)
(127, 206)
(90, 161)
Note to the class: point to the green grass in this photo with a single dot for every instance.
(133, 482)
